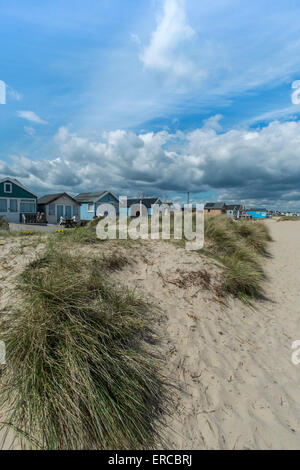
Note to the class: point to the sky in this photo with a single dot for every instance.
(153, 97)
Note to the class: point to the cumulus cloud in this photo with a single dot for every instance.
(165, 51)
(258, 166)
(213, 122)
(31, 116)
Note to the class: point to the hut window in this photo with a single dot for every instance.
(27, 207)
(91, 207)
(13, 206)
(51, 209)
(75, 210)
(3, 205)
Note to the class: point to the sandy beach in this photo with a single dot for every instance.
(236, 386)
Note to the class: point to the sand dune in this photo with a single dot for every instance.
(237, 386)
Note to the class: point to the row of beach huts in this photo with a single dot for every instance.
(235, 211)
(239, 211)
(20, 205)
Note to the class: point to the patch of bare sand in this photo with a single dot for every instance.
(15, 254)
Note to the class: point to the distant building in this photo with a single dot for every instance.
(16, 200)
(55, 206)
(234, 210)
(215, 208)
(139, 206)
(257, 213)
(291, 214)
(91, 201)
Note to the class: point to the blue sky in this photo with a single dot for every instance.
(156, 96)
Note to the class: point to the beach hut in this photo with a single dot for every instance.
(257, 213)
(55, 206)
(234, 211)
(140, 206)
(215, 208)
(91, 201)
(16, 201)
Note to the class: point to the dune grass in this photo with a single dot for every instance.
(83, 235)
(286, 218)
(240, 247)
(81, 372)
(3, 224)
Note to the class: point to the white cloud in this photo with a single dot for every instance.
(287, 113)
(213, 122)
(261, 165)
(31, 116)
(165, 51)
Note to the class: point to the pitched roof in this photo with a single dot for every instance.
(257, 210)
(48, 198)
(17, 182)
(232, 207)
(215, 205)
(146, 201)
(93, 197)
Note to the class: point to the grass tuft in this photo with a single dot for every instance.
(82, 235)
(115, 261)
(3, 224)
(81, 372)
(240, 246)
(286, 218)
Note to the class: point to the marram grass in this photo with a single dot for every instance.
(81, 372)
(240, 246)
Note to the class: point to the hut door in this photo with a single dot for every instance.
(60, 212)
(68, 212)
